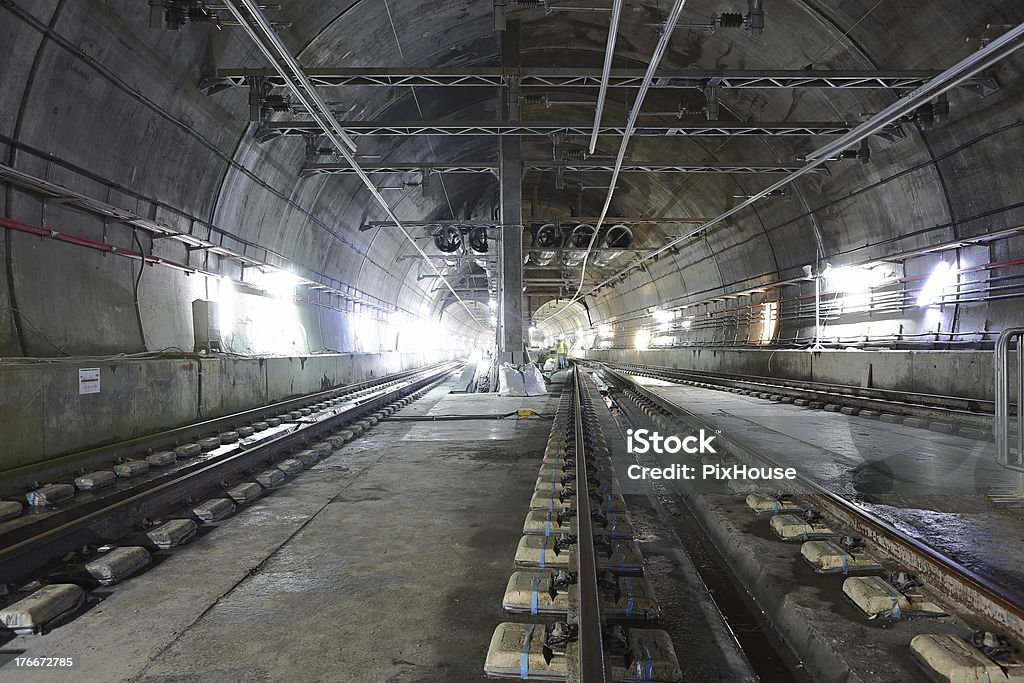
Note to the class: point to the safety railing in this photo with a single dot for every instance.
(1009, 436)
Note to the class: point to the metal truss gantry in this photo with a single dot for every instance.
(273, 129)
(341, 168)
(534, 77)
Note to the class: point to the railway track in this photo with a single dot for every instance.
(15, 479)
(982, 604)
(225, 462)
(969, 417)
(582, 568)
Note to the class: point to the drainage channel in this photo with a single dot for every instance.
(58, 570)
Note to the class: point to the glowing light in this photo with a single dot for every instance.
(686, 323)
(662, 316)
(604, 331)
(421, 334)
(943, 277)
(279, 284)
(642, 340)
(854, 278)
(663, 319)
(493, 304)
(770, 313)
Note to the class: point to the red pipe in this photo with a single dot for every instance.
(80, 241)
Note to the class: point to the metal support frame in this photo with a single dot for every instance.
(511, 340)
(589, 166)
(559, 220)
(1009, 455)
(534, 77)
(272, 129)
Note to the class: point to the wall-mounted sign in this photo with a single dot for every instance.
(89, 381)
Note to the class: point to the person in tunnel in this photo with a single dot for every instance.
(561, 350)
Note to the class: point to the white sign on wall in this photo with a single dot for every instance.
(89, 381)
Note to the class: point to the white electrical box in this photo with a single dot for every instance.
(205, 322)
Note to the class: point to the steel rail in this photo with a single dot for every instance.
(592, 665)
(18, 477)
(106, 517)
(999, 604)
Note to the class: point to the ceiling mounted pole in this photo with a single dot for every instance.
(511, 340)
(659, 51)
(609, 55)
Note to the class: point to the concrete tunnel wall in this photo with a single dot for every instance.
(101, 104)
(957, 181)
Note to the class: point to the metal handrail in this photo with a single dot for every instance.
(1004, 453)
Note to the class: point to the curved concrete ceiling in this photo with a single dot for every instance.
(117, 105)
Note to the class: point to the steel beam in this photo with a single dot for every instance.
(273, 129)
(373, 225)
(661, 167)
(534, 77)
